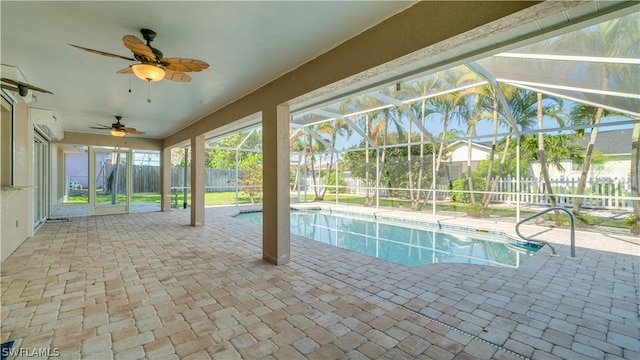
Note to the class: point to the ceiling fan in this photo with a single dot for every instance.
(20, 87)
(117, 129)
(152, 65)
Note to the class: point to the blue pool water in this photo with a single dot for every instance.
(410, 245)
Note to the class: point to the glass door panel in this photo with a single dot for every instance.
(41, 180)
(111, 181)
(76, 178)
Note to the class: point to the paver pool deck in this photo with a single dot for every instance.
(147, 285)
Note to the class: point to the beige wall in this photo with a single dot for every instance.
(16, 204)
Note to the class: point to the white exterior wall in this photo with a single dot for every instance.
(618, 168)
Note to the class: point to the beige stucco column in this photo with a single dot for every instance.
(275, 171)
(197, 180)
(165, 179)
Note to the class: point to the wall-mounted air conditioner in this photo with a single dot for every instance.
(46, 121)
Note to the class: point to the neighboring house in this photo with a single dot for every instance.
(458, 152)
(615, 146)
(612, 161)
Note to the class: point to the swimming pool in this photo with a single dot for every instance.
(412, 245)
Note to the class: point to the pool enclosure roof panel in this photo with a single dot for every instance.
(598, 65)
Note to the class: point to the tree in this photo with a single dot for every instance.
(420, 88)
(297, 146)
(364, 121)
(550, 110)
(313, 148)
(380, 136)
(493, 113)
(586, 115)
(332, 129)
(483, 97)
(615, 38)
(243, 148)
(251, 182)
(246, 145)
(443, 107)
(635, 177)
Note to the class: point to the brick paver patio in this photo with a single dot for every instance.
(147, 285)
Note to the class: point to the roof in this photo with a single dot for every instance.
(611, 142)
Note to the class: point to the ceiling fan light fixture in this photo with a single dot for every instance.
(148, 72)
(118, 132)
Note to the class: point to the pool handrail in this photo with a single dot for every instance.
(571, 226)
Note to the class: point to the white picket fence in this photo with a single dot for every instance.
(600, 192)
(603, 192)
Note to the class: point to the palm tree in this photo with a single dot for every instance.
(616, 38)
(490, 93)
(420, 88)
(551, 111)
(333, 129)
(585, 114)
(380, 135)
(484, 97)
(446, 108)
(297, 145)
(530, 108)
(367, 102)
(314, 148)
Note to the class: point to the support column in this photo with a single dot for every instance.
(197, 180)
(165, 179)
(276, 232)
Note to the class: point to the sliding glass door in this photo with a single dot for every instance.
(110, 186)
(41, 196)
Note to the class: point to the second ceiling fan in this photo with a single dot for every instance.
(152, 66)
(117, 129)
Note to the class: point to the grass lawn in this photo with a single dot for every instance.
(229, 198)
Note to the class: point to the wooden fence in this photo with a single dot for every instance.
(146, 179)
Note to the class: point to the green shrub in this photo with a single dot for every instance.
(331, 188)
(463, 184)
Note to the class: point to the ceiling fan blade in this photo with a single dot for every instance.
(184, 64)
(126, 70)
(103, 53)
(10, 88)
(138, 47)
(132, 131)
(102, 127)
(176, 76)
(20, 83)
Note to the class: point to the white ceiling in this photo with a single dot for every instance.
(247, 44)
